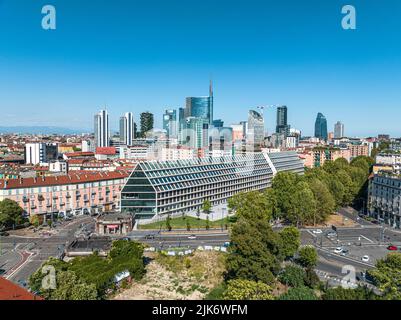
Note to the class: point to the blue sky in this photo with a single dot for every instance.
(151, 54)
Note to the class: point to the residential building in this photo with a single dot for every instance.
(42, 196)
(146, 123)
(384, 198)
(168, 187)
(127, 129)
(358, 150)
(35, 153)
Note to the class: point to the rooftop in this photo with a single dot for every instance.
(11, 291)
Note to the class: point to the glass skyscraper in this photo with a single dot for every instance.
(321, 127)
(256, 128)
(282, 125)
(170, 122)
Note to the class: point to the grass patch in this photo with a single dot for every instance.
(181, 223)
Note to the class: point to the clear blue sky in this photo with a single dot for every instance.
(151, 54)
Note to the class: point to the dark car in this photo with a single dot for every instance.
(4, 234)
(2, 271)
(375, 222)
(150, 236)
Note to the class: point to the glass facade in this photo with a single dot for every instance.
(199, 107)
(161, 187)
(321, 127)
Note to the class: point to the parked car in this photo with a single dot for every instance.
(150, 236)
(392, 248)
(4, 234)
(192, 237)
(344, 252)
(375, 222)
(365, 258)
(126, 239)
(317, 231)
(2, 271)
(331, 234)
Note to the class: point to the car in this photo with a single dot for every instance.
(150, 236)
(2, 271)
(392, 248)
(4, 234)
(344, 252)
(226, 244)
(375, 222)
(126, 239)
(338, 250)
(331, 234)
(317, 231)
(365, 258)
(192, 237)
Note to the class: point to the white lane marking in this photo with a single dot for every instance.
(366, 238)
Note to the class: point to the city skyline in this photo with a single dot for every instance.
(87, 64)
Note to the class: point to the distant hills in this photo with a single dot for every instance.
(41, 130)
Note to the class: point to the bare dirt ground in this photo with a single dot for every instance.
(177, 278)
(335, 220)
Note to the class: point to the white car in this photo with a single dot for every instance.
(192, 237)
(317, 231)
(338, 250)
(365, 258)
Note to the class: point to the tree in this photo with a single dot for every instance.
(10, 213)
(387, 276)
(240, 289)
(284, 185)
(308, 256)
(69, 287)
(292, 276)
(299, 293)
(253, 204)
(302, 205)
(290, 241)
(311, 279)
(207, 206)
(340, 293)
(325, 203)
(168, 223)
(188, 226)
(198, 213)
(207, 223)
(254, 251)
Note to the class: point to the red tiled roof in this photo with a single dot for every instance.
(72, 178)
(106, 150)
(79, 154)
(10, 291)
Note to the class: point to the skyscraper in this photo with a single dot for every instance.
(127, 129)
(321, 127)
(146, 123)
(102, 133)
(339, 130)
(282, 125)
(200, 107)
(256, 128)
(170, 123)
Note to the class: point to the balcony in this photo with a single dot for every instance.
(40, 197)
(68, 195)
(25, 199)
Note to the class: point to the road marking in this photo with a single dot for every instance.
(366, 238)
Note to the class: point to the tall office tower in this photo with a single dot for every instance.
(256, 128)
(127, 134)
(102, 132)
(218, 123)
(244, 128)
(146, 123)
(321, 127)
(282, 125)
(170, 123)
(339, 130)
(200, 107)
(196, 133)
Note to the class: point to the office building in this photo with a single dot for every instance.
(281, 123)
(167, 187)
(127, 134)
(102, 132)
(339, 130)
(170, 123)
(35, 153)
(321, 127)
(256, 128)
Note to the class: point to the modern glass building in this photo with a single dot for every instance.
(256, 128)
(166, 187)
(321, 127)
(170, 122)
(101, 129)
(281, 123)
(199, 107)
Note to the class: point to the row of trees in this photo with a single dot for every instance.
(311, 198)
(89, 278)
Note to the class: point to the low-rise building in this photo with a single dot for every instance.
(114, 224)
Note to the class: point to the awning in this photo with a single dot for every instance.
(112, 226)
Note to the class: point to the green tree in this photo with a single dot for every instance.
(302, 205)
(240, 289)
(188, 226)
(10, 213)
(254, 251)
(292, 276)
(207, 206)
(387, 276)
(290, 241)
(207, 223)
(308, 256)
(299, 293)
(253, 204)
(325, 203)
(340, 293)
(168, 223)
(311, 279)
(70, 287)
